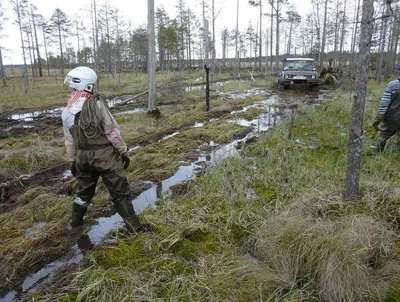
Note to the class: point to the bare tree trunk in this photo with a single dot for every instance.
(378, 74)
(357, 111)
(39, 60)
(260, 42)
(390, 55)
(277, 35)
(272, 31)
(189, 40)
(77, 37)
(321, 57)
(289, 46)
(237, 42)
(151, 68)
(19, 22)
(207, 64)
(342, 36)
(336, 34)
(2, 70)
(30, 52)
(355, 31)
(396, 43)
(33, 48)
(213, 41)
(61, 50)
(45, 50)
(96, 41)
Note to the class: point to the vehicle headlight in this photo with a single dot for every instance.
(286, 76)
(313, 77)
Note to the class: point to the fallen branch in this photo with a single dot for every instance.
(130, 99)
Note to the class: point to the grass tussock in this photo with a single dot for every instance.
(348, 259)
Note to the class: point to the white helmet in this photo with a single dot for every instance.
(81, 78)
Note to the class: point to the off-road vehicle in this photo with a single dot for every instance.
(298, 71)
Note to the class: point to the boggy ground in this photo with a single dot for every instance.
(37, 192)
(269, 225)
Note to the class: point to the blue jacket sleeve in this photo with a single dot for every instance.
(387, 96)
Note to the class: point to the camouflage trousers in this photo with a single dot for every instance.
(387, 129)
(93, 164)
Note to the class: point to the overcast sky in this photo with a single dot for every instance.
(136, 12)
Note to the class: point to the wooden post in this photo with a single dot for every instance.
(207, 63)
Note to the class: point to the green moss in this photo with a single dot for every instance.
(267, 193)
(133, 253)
(206, 242)
(68, 298)
(239, 233)
(173, 267)
(185, 249)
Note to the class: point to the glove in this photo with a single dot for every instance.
(73, 169)
(125, 159)
(379, 118)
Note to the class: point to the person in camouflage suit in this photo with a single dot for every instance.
(95, 148)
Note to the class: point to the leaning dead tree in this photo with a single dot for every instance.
(357, 111)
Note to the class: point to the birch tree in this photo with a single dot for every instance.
(357, 111)
(3, 19)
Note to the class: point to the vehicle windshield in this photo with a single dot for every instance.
(299, 65)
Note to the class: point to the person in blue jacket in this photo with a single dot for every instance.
(387, 120)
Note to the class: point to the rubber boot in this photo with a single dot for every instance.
(381, 146)
(125, 209)
(77, 215)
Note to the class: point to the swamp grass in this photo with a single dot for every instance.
(156, 160)
(267, 226)
(49, 90)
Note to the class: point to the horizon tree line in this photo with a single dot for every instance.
(109, 43)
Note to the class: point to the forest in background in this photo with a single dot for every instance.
(109, 43)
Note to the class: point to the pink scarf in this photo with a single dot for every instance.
(75, 96)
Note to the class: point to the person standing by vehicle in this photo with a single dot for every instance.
(95, 148)
(388, 115)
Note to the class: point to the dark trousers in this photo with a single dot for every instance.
(104, 163)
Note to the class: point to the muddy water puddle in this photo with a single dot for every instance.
(100, 232)
(25, 122)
